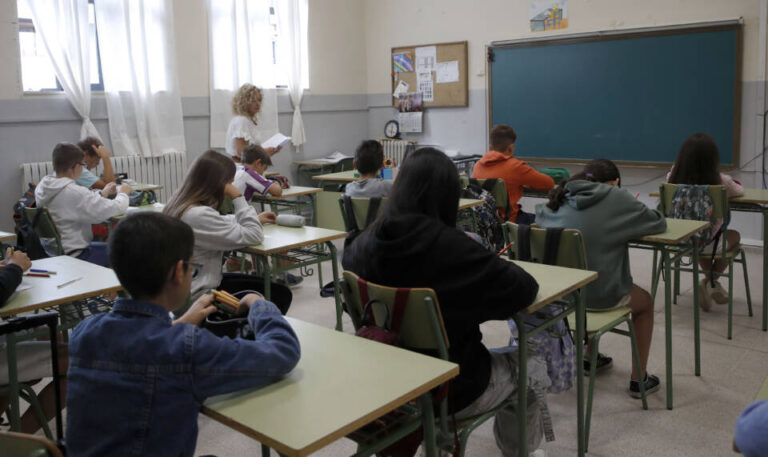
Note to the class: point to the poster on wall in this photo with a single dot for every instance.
(548, 15)
(409, 107)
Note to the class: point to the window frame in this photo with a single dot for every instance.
(26, 25)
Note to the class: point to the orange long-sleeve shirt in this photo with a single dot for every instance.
(515, 174)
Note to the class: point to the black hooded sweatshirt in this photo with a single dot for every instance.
(472, 284)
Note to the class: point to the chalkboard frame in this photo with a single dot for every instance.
(611, 35)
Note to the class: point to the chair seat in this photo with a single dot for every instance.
(730, 253)
(598, 320)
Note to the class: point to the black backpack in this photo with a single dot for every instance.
(26, 237)
(486, 215)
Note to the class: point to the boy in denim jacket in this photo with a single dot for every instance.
(136, 379)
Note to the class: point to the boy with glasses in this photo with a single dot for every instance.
(74, 208)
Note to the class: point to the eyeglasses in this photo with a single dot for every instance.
(196, 268)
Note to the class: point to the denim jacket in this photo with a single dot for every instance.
(136, 382)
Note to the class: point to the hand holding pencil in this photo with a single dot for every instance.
(18, 258)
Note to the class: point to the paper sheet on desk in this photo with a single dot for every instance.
(23, 286)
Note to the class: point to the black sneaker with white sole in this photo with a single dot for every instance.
(289, 280)
(652, 384)
(604, 362)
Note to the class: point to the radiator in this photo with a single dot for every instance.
(396, 149)
(167, 170)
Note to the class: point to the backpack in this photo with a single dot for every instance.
(141, 198)
(26, 237)
(349, 217)
(486, 215)
(556, 344)
(693, 202)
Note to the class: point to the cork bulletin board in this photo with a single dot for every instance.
(448, 75)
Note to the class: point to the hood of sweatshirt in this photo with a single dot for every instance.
(49, 187)
(583, 194)
(406, 235)
(492, 157)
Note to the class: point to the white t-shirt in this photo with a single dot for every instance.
(241, 127)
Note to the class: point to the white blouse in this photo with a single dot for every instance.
(240, 127)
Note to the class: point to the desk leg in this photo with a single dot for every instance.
(267, 277)
(336, 296)
(522, 385)
(765, 269)
(581, 320)
(668, 320)
(264, 450)
(13, 383)
(696, 326)
(428, 422)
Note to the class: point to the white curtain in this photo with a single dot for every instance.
(63, 27)
(138, 63)
(292, 54)
(240, 44)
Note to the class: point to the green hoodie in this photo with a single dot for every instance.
(608, 217)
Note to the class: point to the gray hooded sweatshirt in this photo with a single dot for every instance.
(608, 217)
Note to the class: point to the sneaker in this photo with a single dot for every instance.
(652, 384)
(718, 294)
(705, 300)
(603, 363)
(289, 280)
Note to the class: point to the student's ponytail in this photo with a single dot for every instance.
(557, 195)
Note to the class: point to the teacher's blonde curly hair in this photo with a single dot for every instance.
(244, 98)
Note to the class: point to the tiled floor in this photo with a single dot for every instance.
(706, 407)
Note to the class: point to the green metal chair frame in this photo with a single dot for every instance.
(44, 226)
(572, 254)
(736, 254)
(23, 445)
(360, 207)
(422, 330)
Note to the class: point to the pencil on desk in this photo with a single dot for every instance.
(69, 282)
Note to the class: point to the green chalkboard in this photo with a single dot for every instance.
(630, 97)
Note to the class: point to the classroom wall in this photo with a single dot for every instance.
(401, 23)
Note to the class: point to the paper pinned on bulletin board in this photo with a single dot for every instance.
(410, 122)
(447, 72)
(425, 85)
(410, 114)
(401, 89)
(548, 15)
(426, 58)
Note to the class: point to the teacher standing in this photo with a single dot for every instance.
(242, 130)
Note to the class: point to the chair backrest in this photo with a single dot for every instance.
(499, 190)
(360, 208)
(571, 252)
(422, 326)
(719, 196)
(44, 226)
(23, 445)
(343, 165)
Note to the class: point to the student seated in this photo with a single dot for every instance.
(500, 162)
(369, 159)
(136, 378)
(698, 163)
(196, 202)
(608, 217)
(33, 358)
(249, 177)
(95, 152)
(414, 242)
(73, 208)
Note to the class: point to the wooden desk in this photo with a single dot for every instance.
(154, 207)
(97, 280)
(6, 237)
(677, 241)
(756, 201)
(341, 383)
(302, 245)
(554, 283)
(342, 176)
(466, 203)
(290, 200)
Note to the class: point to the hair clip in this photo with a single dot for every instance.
(590, 175)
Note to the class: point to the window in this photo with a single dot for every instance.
(37, 73)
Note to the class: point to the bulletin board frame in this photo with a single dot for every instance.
(449, 94)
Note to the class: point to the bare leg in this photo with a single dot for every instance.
(642, 318)
(732, 238)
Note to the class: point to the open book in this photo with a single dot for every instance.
(278, 140)
(336, 157)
